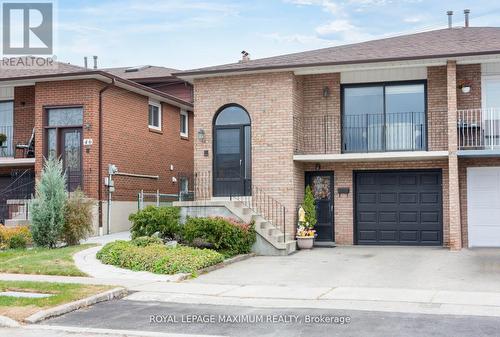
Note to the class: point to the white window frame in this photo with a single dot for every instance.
(185, 114)
(158, 105)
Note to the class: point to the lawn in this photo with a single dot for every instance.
(42, 261)
(20, 308)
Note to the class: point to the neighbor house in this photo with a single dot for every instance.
(92, 118)
(399, 138)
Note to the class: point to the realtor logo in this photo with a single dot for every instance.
(27, 28)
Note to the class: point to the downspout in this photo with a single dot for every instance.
(99, 179)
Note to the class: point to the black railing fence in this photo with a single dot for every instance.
(16, 190)
(198, 186)
(402, 131)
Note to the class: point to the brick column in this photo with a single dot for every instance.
(453, 180)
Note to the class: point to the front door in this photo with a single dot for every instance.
(232, 161)
(322, 188)
(71, 155)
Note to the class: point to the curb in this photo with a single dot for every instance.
(7, 322)
(72, 306)
(227, 262)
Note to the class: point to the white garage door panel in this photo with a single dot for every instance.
(483, 206)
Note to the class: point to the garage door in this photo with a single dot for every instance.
(483, 206)
(398, 208)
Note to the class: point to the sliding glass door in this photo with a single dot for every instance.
(384, 117)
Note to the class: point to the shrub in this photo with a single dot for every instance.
(14, 237)
(225, 235)
(158, 258)
(309, 208)
(164, 220)
(77, 218)
(47, 209)
(144, 241)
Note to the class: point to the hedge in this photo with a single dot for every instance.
(15, 237)
(222, 234)
(157, 258)
(151, 220)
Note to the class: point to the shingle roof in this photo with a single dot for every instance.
(141, 72)
(58, 68)
(432, 44)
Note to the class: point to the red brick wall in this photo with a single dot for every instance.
(75, 92)
(128, 142)
(437, 110)
(471, 73)
(24, 115)
(134, 148)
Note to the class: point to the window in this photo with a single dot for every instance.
(154, 120)
(385, 117)
(184, 123)
(6, 127)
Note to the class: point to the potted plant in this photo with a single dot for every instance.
(3, 138)
(464, 85)
(307, 219)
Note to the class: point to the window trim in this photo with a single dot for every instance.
(158, 105)
(384, 84)
(185, 114)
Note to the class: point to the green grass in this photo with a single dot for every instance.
(43, 261)
(19, 308)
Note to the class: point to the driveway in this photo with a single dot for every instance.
(366, 266)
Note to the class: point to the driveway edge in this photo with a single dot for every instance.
(62, 309)
(7, 322)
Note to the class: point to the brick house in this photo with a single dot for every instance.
(91, 118)
(399, 137)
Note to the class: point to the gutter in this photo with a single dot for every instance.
(99, 179)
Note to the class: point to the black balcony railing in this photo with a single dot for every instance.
(361, 133)
(405, 131)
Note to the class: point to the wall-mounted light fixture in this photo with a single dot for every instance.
(88, 126)
(201, 135)
(318, 166)
(326, 91)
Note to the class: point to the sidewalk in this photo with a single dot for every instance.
(353, 298)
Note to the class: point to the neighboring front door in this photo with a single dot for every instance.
(232, 153)
(71, 155)
(322, 188)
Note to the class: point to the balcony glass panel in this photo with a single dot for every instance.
(384, 118)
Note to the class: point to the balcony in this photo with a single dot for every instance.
(479, 130)
(362, 133)
(7, 149)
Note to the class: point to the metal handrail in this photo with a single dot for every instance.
(259, 201)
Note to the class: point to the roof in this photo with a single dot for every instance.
(68, 71)
(141, 72)
(449, 42)
(58, 68)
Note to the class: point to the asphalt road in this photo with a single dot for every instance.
(223, 320)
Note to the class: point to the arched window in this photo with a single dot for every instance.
(232, 152)
(232, 115)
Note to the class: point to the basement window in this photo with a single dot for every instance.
(154, 115)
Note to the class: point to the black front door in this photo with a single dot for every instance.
(232, 161)
(71, 155)
(322, 188)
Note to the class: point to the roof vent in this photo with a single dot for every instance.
(245, 56)
(136, 69)
(466, 14)
(450, 18)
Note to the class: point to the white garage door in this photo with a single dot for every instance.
(483, 206)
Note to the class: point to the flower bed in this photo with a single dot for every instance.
(157, 258)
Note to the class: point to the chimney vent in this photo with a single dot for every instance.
(95, 62)
(466, 14)
(450, 18)
(86, 62)
(245, 56)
